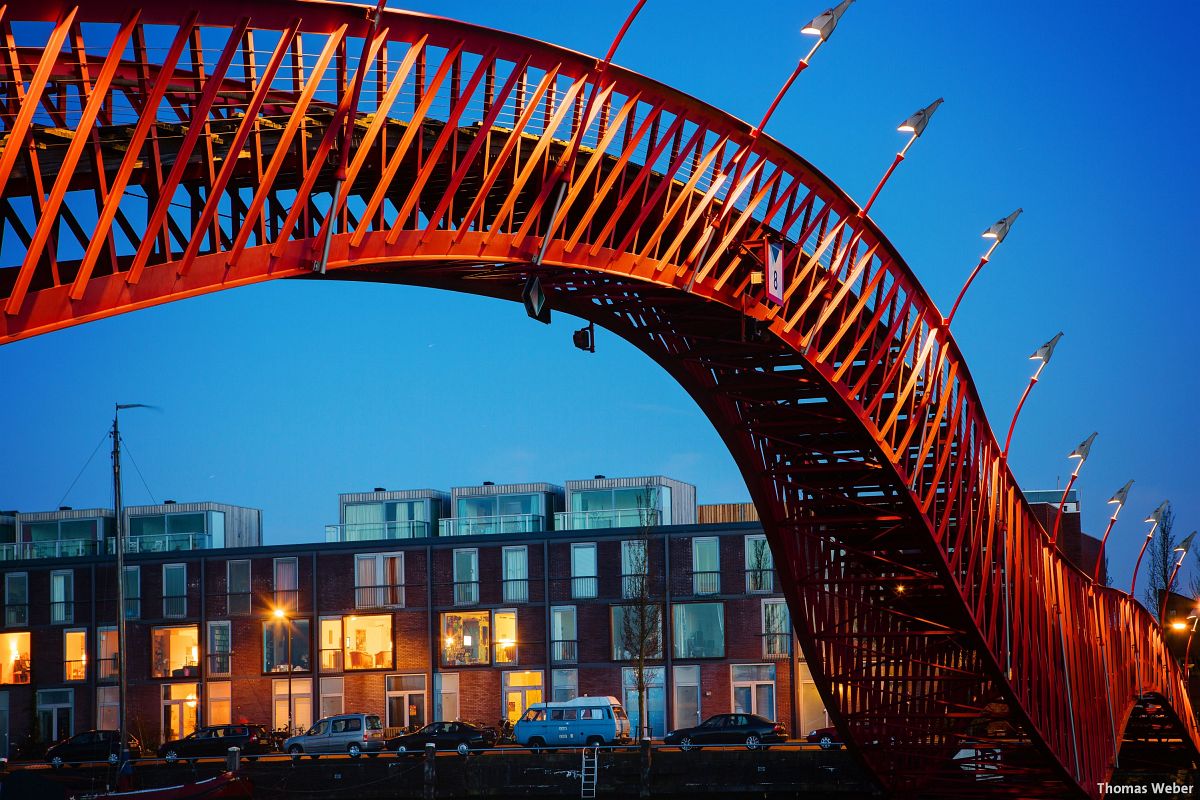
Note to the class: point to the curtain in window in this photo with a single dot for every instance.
(368, 595)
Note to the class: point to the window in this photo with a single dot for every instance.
(285, 645)
(564, 685)
(133, 592)
(16, 599)
(504, 627)
(446, 688)
(55, 713)
(159, 533)
(62, 596)
(636, 629)
(699, 630)
(687, 696)
(504, 513)
(178, 709)
(292, 706)
(583, 571)
(108, 704)
(379, 580)
(14, 658)
(220, 703)
(656, 700)
(466, 638)
(174, 590)
(777, 629)
(634, 569)
(405, 519)
(753, 689)
(237, 588)
(760, 565)
(521, 690)
(619, 508)
(333, 696)
(218, 649)
(175, 651)
(368, 642)
(405, 701)
(515, 565)
(706, 566)
(287, 584)
(75, 655)
(466, 577)
(332, 644)
(108, 658)
(564, 644)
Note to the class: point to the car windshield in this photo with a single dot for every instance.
(373, 724)
(533, 715)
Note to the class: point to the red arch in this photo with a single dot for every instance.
(935, 616)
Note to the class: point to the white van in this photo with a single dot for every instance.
(584, 721)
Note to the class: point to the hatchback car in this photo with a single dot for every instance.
(215, 740)
(751, 730)
(828, 738)
(462, 737)
(91, 746)
(353, 734)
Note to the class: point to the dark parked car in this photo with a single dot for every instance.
(751, 730)
(828, 738)
(90, 746)
(215, 740)
(462, 737)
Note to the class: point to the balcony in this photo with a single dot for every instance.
(609, 518)
(62, 612)
(16, 615)
(706, 582)
(174, 606)
(58, 548)
(466, 593)
(331, 659)
(377, 531)
(162, 543)
(486, 526)
(777, 646)
(386, 596)
(107, 669)
(218, 664)
(75, 670)
(564, 651)
(760, 581)
(239, 604)
(584, 587)
(515, 590)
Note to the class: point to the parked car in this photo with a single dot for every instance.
(751, 730)
(585, 721)
(215, 740)
(91, 746)
(460, 736)
(353, 734)
(828, 738)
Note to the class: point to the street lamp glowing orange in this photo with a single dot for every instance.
(280, 613)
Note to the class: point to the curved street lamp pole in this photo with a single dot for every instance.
(1081, 453)
(1119, 499)
(1182, 549)
(996, 232)
(1043, 355)
(1154, 518)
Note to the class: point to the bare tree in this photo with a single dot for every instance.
(1160, 558)
(641, 615)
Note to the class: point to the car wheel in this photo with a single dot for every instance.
(171, 756)
(112, 758)
(56, 762)
(463, 749)
(401, 750)
(354, 750)
(295, 751)
(753, 742)
(686, 744)
(826, 742)
(594, 741)
(537, 743)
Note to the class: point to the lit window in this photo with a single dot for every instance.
(218, 648)
(699, 630)
(14, 658)
(466, 638)
(75, 655)
(285, 641)
(504, 626)
(175, 651)
(107, 665)
(179, 709)
(332, 645)
(368, 642)
(219, 703)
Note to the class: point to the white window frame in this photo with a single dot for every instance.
(519, 586)
(103, 629)
(703, 583)
(579, 585)
(573, 683)
(249, 593)
(210, 670)
(293, 601)
(133, 602)
(751, 568)
(787, 612)
(340, 694)
(65, 615)
(554, 659)
(9, 622)
(181, 608)
(388, 694)
(516, 645)
(379, 587)
(631, 582)
(753, 694)
(468, 593)
(67, 632)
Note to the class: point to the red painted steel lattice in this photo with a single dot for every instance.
(158, 152)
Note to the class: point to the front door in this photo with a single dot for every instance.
(54, 713)
(687, 696)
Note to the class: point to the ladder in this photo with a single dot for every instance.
(588, 775)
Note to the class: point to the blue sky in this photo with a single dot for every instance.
(282, 395)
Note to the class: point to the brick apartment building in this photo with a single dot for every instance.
(420, 605)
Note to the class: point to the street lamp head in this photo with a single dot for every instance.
(1084, 447)
(999, 229)
(824, 23)
(1182, 547)
(1044, 352)
(1121, 494)
(917, 122)
(1157, 514)
(279, 613)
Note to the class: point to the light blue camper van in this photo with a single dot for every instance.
(584, 721)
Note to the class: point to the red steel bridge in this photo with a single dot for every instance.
(158, 151)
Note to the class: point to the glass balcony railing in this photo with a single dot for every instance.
(58, 548)
(162, 543)
(374, 531)
(609, 518)
(483, 526)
